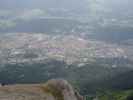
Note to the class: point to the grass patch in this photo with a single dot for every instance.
(116, 95)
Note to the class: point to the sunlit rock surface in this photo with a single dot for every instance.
(52, 90)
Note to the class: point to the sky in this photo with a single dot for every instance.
(90, 6)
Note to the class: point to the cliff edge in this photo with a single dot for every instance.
(55, 89)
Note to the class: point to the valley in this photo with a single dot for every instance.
(89, 43)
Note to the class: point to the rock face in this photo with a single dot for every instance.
(55, 89)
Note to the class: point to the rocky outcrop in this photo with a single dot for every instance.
(55, 89)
